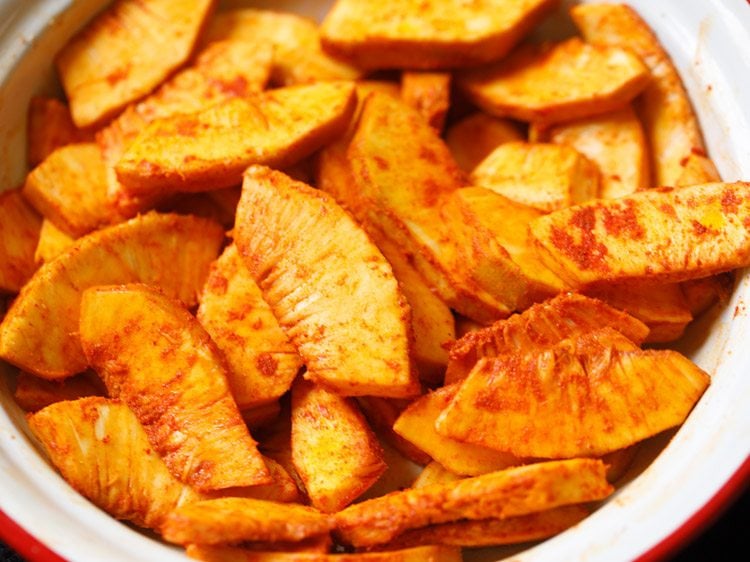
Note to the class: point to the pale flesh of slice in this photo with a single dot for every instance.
(155, 356)
(331, 289)
(40, 331)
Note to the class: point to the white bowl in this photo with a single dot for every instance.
(693, 471)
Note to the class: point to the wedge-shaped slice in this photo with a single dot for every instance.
(40, 332)
(557, 82)
(544, 176)
(429, 93)
(671, 127)
(52, 242)
(508, 221)
(298, 56)
(125, 52)
(615, 142)
(70, 189)
(473, 138)
(496, 532)
(417, 425)
(541, 326)
(382, 413)
(661, 306)
(154, 355)
(33, 394)
(335, 452)
(434, 473)
(586, 396)
(49, 126)
(262, 361)
(19, 235)
(330, 288)
(231, 520)
(103, 452)
(403, 173)
(430, 553)
(660, 234)
(210, 149)
(498, 495)
(413, 34)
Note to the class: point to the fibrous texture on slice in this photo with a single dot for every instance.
(19, 233)
(335, 452)
(540, 326)
(262, 361)
(557, 82)
(211, 148)
(586, 396)
(499, 495)
(155, 356)
(125, 52)
(40, 331)
(102, 452)
(331, 289)
(660, 235)
(418, 34)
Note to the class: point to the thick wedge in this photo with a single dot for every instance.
(331, 289)
(587, 396)
(125, 52)
(102, 451)
(557, 82)
(40, 331)
(414, 34)
(210, 149)
(502, 494)
(335, 452)
(262, 361)
(19, 234)
(153, 355)
(659, 235)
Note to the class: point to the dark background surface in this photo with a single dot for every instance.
(726, 539)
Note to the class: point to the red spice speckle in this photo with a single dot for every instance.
(622, 221)
(589, 253)
(730, 202)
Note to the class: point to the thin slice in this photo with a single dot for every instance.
(102, 452)
(660, 234)
(331, 289)
(499, 495)
(40, 332)
(19, 233)
(335, 452)
(262, 361)
(557, 82)
(125, 52)
(230, 520)
(587, 396)
(417, 34)
(232, 554)
(210, 149)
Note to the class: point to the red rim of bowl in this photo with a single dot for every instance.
(34, 550)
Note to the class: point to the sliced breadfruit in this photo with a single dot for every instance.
(473, 138)
(40, 332)
(211, 148)
(429, 93)
(376, 34)
(671, 127)
(498, 495)
(125, 52)
(557, 82)
(298, 56)
(661, 234)
(262, 361)
(541, 175)
(335, 452)
(102, 451)
(265, 550)
(52, 242)
(50, 126)
(416, 424)
(586, 396)
(282, 488)
(231, 520)
(431, 553)
(19, 235)
(331, 289)
(541, 326)
(615, 142)
(434, 473)
(33, 393)
(155, 356)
